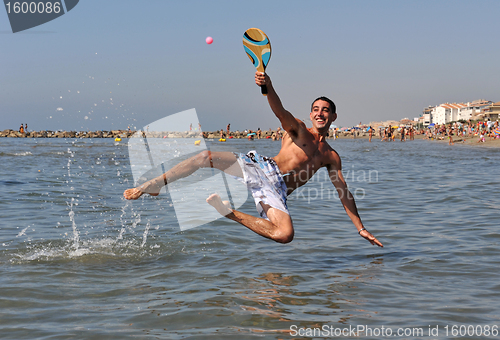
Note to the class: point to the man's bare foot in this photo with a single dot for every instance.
(146, 188)
(223, 207)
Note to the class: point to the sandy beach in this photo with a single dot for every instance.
(471, 141)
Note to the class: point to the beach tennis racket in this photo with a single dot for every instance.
(258, 49)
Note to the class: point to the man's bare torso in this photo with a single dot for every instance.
(302, 154)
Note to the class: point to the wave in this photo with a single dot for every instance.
(90, 250)
(11, 182)
(24, 153)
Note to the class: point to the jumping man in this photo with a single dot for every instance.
(303, 152)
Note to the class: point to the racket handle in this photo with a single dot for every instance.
(263, 89)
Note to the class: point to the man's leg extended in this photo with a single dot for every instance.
(224, 161)
(279, 228)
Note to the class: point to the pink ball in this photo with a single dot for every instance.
(209, 40)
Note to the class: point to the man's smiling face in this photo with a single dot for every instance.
(321, 115)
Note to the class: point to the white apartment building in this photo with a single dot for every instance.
(446, 113)
(474, 108)
(451, 112)
(427, 117)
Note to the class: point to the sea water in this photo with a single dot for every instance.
(78, 261)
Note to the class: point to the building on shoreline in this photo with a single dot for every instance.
(494, 112)
(452, 112)
(427, 116)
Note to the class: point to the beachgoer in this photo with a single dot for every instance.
(370, 134)
(25, 128)
(21, 129)
(403, 134)
(259, 132)
(228, 127)
(251, 135)
(303, 152)
(481, 138)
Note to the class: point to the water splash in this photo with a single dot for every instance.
(23, 232)
(145, 234)
(136, 220)
(76, 236)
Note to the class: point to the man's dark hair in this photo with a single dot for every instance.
(333, 108)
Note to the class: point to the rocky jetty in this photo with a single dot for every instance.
(67, 134)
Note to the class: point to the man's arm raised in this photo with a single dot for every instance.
(288, 121)
(348, 202)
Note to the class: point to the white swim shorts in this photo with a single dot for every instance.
(264, 180)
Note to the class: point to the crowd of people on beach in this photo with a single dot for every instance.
(455, 132)
(389, 133)
(464, 130)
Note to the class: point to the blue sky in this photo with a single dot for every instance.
(117, 63)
